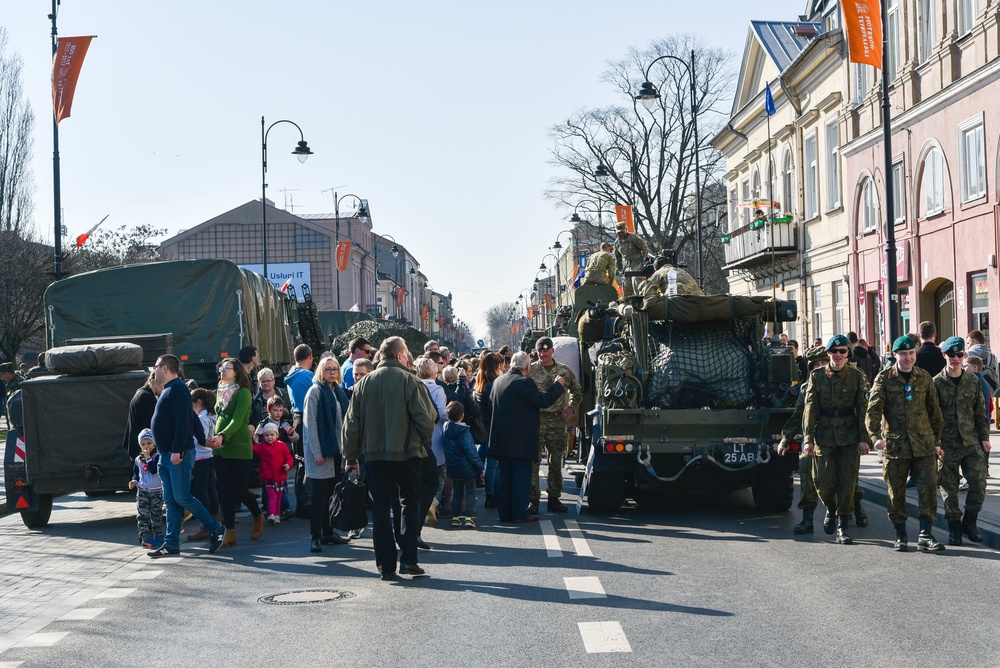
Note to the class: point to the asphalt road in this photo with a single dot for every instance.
(695, 582)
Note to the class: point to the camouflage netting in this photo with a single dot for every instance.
(377, 331)
(695, 365)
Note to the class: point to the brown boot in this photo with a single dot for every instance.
(432, 517)
(229, 540)
(258, 527)
(202, 534)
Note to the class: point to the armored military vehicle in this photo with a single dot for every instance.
(682, 395)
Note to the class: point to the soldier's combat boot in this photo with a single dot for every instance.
(954, 532)
(901, 537)
(806, 525)
(829, 522)
(842, 536)
(969, 527)
(556, 506)
(925, 539)
(860, 519)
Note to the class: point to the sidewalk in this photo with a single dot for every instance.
(989, 518)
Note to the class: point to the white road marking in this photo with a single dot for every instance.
(580, 544)
(81, 614)
(116, 592)
(603, 637)
(10, 664)
(585, 587)
(144, 575)
(43, 639)
(551, 539)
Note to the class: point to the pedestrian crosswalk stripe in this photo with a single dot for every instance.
(584, 587)
(144, 575)
(116, 592)
(81, 614)
(43, 639)
(603, 637)
(10, 664)
(552, 548)
(580, 544)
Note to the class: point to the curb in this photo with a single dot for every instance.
(878, 494)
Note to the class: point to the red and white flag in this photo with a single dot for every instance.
(355, 308)
(284, 286)
(82, 239)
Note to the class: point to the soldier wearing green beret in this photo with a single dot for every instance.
(833, 427)
(904, 419)
(965, 441)
(792, 430)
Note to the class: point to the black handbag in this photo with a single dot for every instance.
(478, 430)
(348, 505)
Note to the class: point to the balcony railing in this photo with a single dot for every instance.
(750, 247)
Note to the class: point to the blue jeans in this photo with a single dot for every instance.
(176, 480)
(463, 497)
(490, 477)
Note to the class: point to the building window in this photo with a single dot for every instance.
(862, 80)
(791, 327)
(967, 11)
(898, 194)
(893, 19)
(926, 30)
(746, 198)
(811, 178)
(868, 208)
(973, 152)
(839, 308)
(787, 183)
(733, 204)
(755, 187)
(832, 165)
(933, 183)
(818, 312)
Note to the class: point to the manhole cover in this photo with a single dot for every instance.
(306, 597)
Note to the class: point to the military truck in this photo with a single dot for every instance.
(683, 396)
(209, 308)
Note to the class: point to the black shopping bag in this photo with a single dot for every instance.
(348, 505)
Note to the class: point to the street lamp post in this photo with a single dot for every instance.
(648, 96)
(558, 285)
(395, 254)
(301, 151)
(362, 217)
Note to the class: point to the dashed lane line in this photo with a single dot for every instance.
(552, 548)
(80, 614)
(599, 637)
(580, 544)
(43, 639)
(10, 664)
(584, 587)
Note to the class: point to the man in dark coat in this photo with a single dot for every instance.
(516, 402)
(929, 357)
(140, 414)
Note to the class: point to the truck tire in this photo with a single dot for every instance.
(37, 519)
(773, 490)
(606, 491)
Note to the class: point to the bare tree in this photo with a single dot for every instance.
(17, 185)
(111, 248)
(23, 280)
(498, 322)
(650, 155)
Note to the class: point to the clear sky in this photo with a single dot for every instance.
(436, 112)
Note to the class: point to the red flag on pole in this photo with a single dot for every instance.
(284, 286)
(863, 23)
(66, 65)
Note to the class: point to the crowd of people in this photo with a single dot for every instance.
(424, 431)
(926, 412)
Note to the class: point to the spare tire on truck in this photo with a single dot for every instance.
(94, 358)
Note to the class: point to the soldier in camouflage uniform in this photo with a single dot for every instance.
(656, 284)
(630, 253)
(600, 267)
(904, 418)
(833, 426)
(965, 441)
(552, 430)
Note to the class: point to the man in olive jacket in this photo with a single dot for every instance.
(965, 441)
(514, 435)
(388, 421)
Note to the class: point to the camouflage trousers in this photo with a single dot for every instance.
(896, 471)
(149, 514)
(836, 472)
(972, 465)
(552, 445)
(808, 497)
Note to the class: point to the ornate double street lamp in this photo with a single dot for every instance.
(301, 152)
(648, 96)
(362, 215)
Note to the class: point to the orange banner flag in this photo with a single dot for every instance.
(66, 64)
(531, 313)
(548, 301)
(863, 24)
(623, 212)
(343, 253)
(400, 296)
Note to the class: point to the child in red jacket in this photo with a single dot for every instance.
(275, 460)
